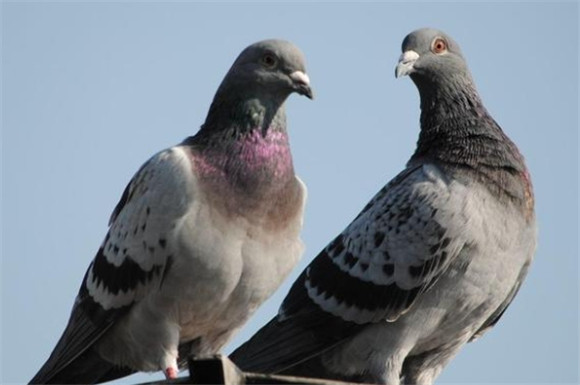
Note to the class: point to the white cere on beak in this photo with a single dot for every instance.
(406, 62)
(408, 56)
(300, 77)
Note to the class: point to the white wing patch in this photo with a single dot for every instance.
(140, 242)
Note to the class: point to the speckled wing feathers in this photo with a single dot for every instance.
(130, 262)
(430, 263)
(391, 253)
(138, 246)
(394, 250)
(204, 233)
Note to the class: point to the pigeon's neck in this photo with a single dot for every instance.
(232, 113)
(458, 134)
(246, 150)
(451, 94)
(450, 114)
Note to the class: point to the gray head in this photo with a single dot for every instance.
(272, 67)
(457, 131)
(430, 56)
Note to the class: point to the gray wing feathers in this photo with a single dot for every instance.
(300, 332)
(393, 251)
(138, 244)
(130, 262)
(80, 334)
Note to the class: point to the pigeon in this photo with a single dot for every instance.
(430, 263)
(203, 234)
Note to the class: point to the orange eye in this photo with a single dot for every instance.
(439, 46)
(269, 60)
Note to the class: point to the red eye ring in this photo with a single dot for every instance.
(439, 46)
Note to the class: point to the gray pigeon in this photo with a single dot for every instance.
(433, 260)
(204, 233)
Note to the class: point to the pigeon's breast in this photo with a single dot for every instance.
(232, 266)
(236, 250)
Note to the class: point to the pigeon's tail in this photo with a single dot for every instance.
(88, 368)
(283, 348)
(266, 352)
(290, 343)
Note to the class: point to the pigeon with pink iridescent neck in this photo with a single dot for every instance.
(203, 234)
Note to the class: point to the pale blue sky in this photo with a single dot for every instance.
(91, 90)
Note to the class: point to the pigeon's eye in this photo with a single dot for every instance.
(269, 60)
(439, 46)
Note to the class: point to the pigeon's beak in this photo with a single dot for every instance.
(406, 63)
(301, 84)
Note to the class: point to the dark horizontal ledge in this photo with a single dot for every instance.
(219, 369)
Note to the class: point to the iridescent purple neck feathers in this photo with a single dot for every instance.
(256, 158)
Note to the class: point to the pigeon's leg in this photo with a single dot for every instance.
(169, 363)
(169, 350)
(170, 367)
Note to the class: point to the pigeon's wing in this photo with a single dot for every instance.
(301, 331)
(132, 260)
(394, 250)
(372, 272)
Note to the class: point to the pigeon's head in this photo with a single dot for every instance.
(431, 56)
(271, 67)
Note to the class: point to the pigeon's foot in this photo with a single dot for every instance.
(170, 373)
